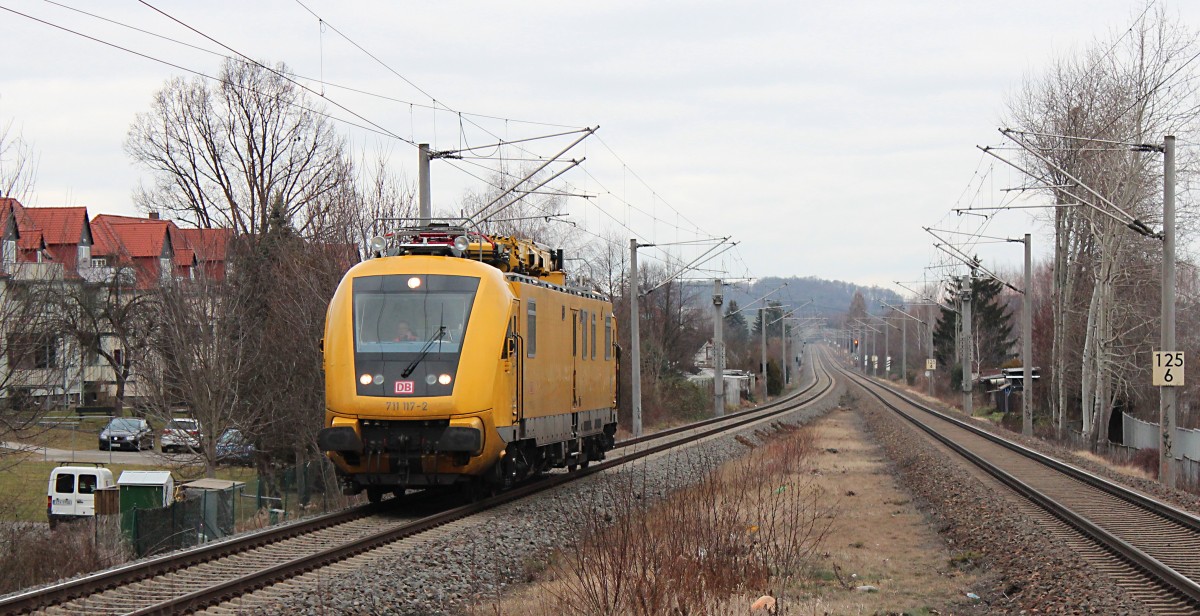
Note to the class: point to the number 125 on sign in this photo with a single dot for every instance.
(1168, 369)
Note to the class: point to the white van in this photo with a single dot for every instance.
(71, 492)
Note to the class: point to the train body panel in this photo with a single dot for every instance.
(442, 370)
(568, 362)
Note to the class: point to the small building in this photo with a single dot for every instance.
(217, 499)
(143, 491)
(739, 384)
(146, 489)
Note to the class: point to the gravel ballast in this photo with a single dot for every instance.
(1023, 569)
(474, 561)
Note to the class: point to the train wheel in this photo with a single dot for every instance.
(375, 495)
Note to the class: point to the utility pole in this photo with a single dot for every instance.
(1166, 401)
(967, 360)
(1027, 344)
(887, 351)
(904, 352)
(635, 354)
(875, 354)
(762, 321)
(783, 362)
(426, 208)
(718, 350)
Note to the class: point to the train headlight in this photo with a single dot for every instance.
(377, 245)
(461, 244)
(414, 282)
(444, 379)
(430, 379)
(365, 379)
(378, 380)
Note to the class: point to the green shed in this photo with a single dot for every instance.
(144, 490)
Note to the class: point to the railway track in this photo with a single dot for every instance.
(220, 572)
(1143, 545)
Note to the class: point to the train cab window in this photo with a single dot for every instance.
(402, 314)
(531, 328)
(583, 333)
(593, 335)
(607, 338)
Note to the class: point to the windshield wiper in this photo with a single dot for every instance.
(424, 351)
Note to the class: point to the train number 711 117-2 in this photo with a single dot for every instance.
(407, 405)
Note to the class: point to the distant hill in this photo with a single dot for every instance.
(831, 298)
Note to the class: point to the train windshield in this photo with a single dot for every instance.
(412, 314)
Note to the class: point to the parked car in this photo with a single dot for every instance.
(234, 448)
(181, 434)
(72, 492)
(127, 433)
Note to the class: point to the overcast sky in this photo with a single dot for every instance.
(823, 136)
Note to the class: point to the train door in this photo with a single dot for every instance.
(574, 357)
(516, 358)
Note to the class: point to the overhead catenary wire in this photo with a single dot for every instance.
(680, 222)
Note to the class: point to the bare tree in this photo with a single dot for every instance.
(1116, 92)
(378, 194)
(197, 357)
(18, 164)
(33, 355)
(109, 319)
(219, 155)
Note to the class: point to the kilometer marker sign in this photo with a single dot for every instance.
(1168, 369)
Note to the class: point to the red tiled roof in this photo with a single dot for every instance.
(209, 244)
(138, 240)
(59, 225)
(30, 237)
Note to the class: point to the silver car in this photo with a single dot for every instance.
(181, 434)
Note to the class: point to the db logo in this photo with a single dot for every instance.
(404, 387)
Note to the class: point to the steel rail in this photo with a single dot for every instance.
(1140, 559)
(258, 579)
(90, 584)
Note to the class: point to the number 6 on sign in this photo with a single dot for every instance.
(1168, 369)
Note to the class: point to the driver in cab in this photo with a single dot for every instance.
(403, 332)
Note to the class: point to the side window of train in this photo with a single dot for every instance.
(607, 338)
(574, 333)
(583, 320)
(531, 328)
(593, 335)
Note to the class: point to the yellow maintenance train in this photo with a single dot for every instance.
(454, 358)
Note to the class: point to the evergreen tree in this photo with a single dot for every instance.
(736, 331)
(991, 325)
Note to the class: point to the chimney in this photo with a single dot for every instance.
(153, 215)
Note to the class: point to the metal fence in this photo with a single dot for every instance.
(269, 498)
(207, 515)
(1138, 434)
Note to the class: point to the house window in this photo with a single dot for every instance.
(531, 328)
(29, 351)
(99, 262)
(91, 350)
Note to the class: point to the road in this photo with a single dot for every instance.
(95, 456)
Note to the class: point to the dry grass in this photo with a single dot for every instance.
(878, 539)
(713, 548)
(810, 515)
(33, 554)
(1130, 470)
